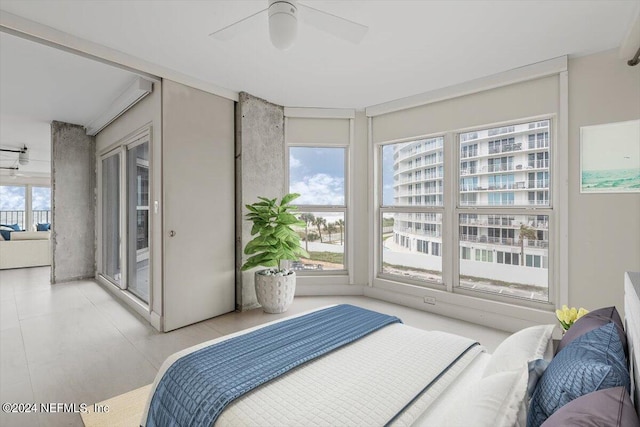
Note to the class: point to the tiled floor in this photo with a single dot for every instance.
(75, 343)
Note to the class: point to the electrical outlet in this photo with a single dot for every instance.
(430, 300)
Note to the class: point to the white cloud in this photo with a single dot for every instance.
(293, 162)
(12, 198)
(319, 189)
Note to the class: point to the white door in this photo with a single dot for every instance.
(198, 196)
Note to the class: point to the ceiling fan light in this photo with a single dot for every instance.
(283, 24)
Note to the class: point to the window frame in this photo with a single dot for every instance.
(410, 208)
(345, 275)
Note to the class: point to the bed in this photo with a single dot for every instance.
(392, 374)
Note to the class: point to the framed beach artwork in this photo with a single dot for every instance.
(610, 158)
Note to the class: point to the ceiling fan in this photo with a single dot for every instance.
(283, 24)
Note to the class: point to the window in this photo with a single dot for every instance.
(465, 253)
(507, 198)
(25, 205)
(520, 241)
(318, 175)
(13, 205)
(41, 205)
(411, 227)
(502, 223)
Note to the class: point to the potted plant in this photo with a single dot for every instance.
(275, 242)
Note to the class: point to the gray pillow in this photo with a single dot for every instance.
(593, 320)
(593, 361)
(610, 407)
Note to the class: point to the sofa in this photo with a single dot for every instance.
(26, 249)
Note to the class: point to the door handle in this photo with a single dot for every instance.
(172, 233)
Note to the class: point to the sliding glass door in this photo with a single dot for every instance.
(111, 259)
(138, 220)
(125, 238)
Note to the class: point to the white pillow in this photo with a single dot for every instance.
(518, 349)
(495, 401)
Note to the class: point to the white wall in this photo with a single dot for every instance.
(604, 229)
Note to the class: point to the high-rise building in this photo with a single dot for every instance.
(504, 166)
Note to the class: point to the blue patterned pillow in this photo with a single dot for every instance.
(43, 227)
(593, 361)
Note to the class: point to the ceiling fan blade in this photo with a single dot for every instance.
(232, 30)
(332, 24)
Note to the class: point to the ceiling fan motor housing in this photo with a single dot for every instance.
(283, 23)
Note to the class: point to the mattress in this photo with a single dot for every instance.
(395, 370)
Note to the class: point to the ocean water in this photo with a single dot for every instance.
(611, 180)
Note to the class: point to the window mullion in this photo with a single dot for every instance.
(449, 220)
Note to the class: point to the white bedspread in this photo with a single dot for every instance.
(363, 384)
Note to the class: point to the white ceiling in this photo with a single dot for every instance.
(39, 84)
(411, 47)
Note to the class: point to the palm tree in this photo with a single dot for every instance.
(319, 222)
(340, 224)
(308, 219)
(331, 228)
(528, 233)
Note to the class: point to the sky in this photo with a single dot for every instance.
(387, 174)
(318, 175)
(12, 198)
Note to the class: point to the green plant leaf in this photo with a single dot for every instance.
(286, 218)
(275, 239)
(288, 198)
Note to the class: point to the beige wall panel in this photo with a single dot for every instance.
(520, 100)
(198, 186)
(317, 131)
(604, 229)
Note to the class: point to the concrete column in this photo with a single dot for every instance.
(73, 193)
(260, 171)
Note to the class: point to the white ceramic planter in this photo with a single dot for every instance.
(275, 293)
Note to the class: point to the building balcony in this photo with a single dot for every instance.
(508, 148)
(538, 202)
(503, 223)
(539, 183)
(409, 153)
(405, 169)
(538, 164)
(538, 144)
(541, 244)
(419, 232)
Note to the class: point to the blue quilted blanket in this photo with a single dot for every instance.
(198, 386)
